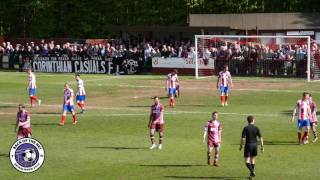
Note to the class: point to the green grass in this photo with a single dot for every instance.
(111, 139)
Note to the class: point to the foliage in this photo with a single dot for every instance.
(89, 19)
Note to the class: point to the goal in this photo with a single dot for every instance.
(274, 56)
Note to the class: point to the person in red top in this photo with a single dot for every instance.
(313, 119)
(156, 122)
(23, 123)
(172, 84)
(213, 130)
(32, 88)
(68, 105)
(304, 115)
(224, 82)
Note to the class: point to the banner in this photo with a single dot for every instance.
(176, 62)
(90, 65)
(300, 33)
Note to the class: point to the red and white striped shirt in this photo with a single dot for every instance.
(80, 88)
(32, 81)
(172, 80)
(224, 78)
(68, 96)
(213, 129)
(313, 108)
(157, 111)
(302, 108)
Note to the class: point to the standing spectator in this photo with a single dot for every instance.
(192, 53)
(301, 62)
(222, 58)
(37, 50)
(45, 50)
(252, 62)
(165, 52)
(1, 56)
(109, 50)
(235, 62)
(271, 57)
(148, 56)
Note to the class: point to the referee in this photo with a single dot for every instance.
(249, 135)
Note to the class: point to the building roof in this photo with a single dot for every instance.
(164, 28)
(262, 21)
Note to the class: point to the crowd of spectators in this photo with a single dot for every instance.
(253, 58)
(247, 58)
(112, 48)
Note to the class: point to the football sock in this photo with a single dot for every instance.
(225, 98)
(152, 138)
(216, 156)
(315, 134)
(160, 139)
(253, 167)
(299, 137)
(63, 119)
(305, 136)
(249, 167)
(222, 99)
(74, 117)
(171, 101)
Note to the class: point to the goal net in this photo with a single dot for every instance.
(274, 56)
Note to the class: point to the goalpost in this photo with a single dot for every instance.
(274, 56)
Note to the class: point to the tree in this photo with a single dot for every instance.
(87, 19)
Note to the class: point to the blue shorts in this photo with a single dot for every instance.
(172, 91)
(224, 89)
(69, 108)
(32, 92)
(303, 123)
(81, 98)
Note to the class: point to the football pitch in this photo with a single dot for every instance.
(111, 140)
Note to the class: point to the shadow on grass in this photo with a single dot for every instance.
(116, 148)
(162, 97)
(276, 143)
(45, 124)
(7, 106)
(4, 155)
(197, 177)
(171, 165)
(286, 112)
(44, 113)
(137, 106)
(195, 105)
